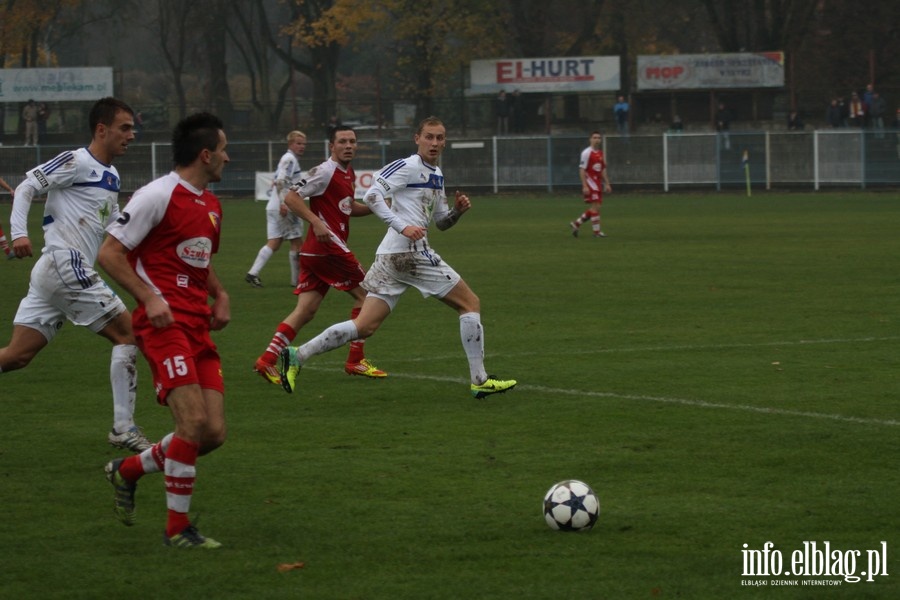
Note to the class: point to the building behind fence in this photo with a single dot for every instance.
(814, 160)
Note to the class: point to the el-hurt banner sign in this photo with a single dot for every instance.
(711, 71)
(554, 74)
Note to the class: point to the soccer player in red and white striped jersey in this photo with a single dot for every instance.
(160, 250)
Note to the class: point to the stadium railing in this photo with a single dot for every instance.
(807, 159)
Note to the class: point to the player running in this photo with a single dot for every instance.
(325, 259)
(405, 259)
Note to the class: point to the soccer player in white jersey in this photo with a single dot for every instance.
(82, 189)
(406, 259)
(281, 223)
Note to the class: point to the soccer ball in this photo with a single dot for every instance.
(571, 505)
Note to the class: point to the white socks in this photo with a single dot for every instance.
(262, 257)
(472, 334)
(334, 337)
(123, 378)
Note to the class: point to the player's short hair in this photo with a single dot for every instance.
(104, 111)
(295, 134)
(333, 135)
(593, 133)
(192, 135)
(428, 121)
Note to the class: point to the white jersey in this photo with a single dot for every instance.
(82, 195)
(417, 192)
(287, 173)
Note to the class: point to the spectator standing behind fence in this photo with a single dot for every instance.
(833, 114)
(723, 124)
(856, 117)
(620, 110)
(30, 116)
(594, 181)
(794, 123)
(281, 223)
(502, 109)
(517, 112)
(877, 109)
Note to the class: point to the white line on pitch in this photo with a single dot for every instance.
(701, 347)
(662, 399)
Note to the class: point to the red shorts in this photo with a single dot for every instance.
(180, 356)
(320, 273)
(594, 196)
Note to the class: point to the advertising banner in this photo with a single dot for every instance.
(56, 85)
(555, 74)
(711, 71)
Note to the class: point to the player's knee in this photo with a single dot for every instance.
(365, 330)
(213, 438)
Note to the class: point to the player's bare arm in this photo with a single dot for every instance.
(113, 257)
(297, 204)
(221, 307)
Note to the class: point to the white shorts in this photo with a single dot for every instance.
(288, 227)
(64, 285)
(392, 274)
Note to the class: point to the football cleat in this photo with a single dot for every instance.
(364, 368)
(574, 229)
(288, 369)
(124, 499)
(492, 385)
(600, 234)
(267, 371)
(253, 280)
(190, 538)
(133, 439)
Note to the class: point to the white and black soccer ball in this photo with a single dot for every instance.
(571, 505)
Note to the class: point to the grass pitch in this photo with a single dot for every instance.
(721, 369)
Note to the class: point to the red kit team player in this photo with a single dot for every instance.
(325, 260)
(160, 250)
(594, 181)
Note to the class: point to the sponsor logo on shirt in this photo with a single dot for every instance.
(346, 205)
(196, 252)
(384, 184)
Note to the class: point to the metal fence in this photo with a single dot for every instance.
(814, 159)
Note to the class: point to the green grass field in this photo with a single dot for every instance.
(722, 370)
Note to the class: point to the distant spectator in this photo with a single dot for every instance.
(620, 110)
(877, 110)
(517, 112)
(502, 109)
(677, 126)
(869, 95)
(856, 116)
(833, 114)
(30, 115)
(794, 123)
(723, 124)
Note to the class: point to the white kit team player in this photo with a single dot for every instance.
(82, 190)
(281, 223)
(406, 259)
